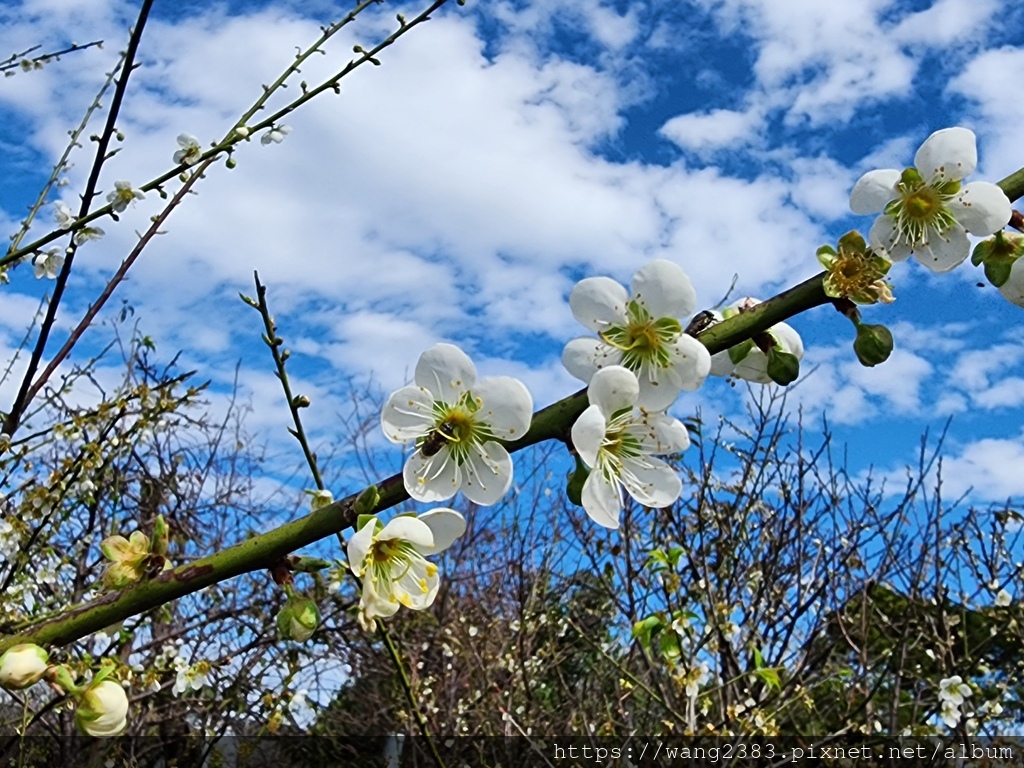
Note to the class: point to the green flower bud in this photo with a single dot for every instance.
(367, 501)
(298, 619)
(22, 665)
(873, 344)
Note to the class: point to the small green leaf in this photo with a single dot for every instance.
(739, 353)
(576, 478)
(783, 367)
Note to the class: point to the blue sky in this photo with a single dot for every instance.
(507, 149)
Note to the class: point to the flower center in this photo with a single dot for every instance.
(922, 206)
(456, 427)
(643, 340)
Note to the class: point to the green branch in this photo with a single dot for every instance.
(265, 550)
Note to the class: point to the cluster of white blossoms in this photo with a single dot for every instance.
(635, 368)
(927, 211)
(952, 693)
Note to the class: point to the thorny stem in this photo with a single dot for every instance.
(23, 398)
(275, 343)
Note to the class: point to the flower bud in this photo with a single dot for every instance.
(367, 500)
(22, 665)
(873, 344)
(102, 709)
(298, 619)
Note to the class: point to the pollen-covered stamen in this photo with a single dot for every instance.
(922, 206)
(643, 340)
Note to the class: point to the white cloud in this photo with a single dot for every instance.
(709, 131)
(990, 468)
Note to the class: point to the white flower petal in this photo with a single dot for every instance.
(651, 482)
(884, 237)
(378, 600)
(661, 434)
(588, 434)
(663, 288)
(597, 302)
(407, 415)
(602, 500)
(417, 587)
(944, 251)
(446, 525)
(487, 474)
(613, 388)
(721, 364)
(446, 372)
(948, 155)
(692, 363)
(656, 392)
(981, 208)
(431, 478)
(1013, 289)
(873, 191)
(788, 339)
(584, 356)
(507, 406)
(359, 547)
(407, 528)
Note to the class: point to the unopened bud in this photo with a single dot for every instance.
(873, 344)
(22, 665)
(298, 619)
(102, 709)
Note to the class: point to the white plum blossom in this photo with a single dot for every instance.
(748, 361)
(63, 215)
(641, 331)
(1003, 599)
(695, 678)
(952, 692)
(190, 150)
(85, 234)
(925, 210)
(391, 560)
(48, 264)
(122, 195)
(276, 134)
(618, 442)
(454, 421)
(190, 677)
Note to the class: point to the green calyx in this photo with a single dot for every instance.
(998, 255)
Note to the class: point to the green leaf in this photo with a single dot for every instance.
(783, 367)
(576, 478)
(739, 353)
